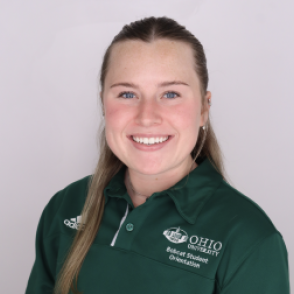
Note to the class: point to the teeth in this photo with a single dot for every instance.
(149, 141)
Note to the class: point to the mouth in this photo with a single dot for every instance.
(150, 140)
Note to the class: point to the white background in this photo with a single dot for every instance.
(50, 57)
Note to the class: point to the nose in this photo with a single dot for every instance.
(149, 113)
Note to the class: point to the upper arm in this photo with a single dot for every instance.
(41, 279)
(43, 273)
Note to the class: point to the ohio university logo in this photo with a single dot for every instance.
(176, 235)
(196, 243)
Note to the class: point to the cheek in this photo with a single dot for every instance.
(112, 127)
(116, 119)
(115, 116)
(186, 121)
(187, 117)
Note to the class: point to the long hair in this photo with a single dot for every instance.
(146, 30)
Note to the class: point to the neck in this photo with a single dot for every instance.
(141, 186)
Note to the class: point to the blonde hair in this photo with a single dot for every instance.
(146, 30)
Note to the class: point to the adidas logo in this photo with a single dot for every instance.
(74, 223)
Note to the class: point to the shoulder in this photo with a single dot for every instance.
(66, 203)
(74, 192)
(245, 226)
(241, 213)
(239, 223)
(251, 242)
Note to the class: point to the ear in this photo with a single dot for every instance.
(205, 109)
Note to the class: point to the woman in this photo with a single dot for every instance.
(157, 215)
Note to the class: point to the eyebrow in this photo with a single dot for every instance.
(164, 84)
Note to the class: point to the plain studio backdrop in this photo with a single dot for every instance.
(50, 57)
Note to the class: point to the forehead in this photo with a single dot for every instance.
(160, 59)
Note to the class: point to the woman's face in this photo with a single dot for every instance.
(151, 90)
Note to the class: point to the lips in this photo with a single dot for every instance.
(141, 135)
(152, 147)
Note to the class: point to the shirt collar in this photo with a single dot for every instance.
(189, 194)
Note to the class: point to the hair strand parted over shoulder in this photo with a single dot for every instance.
(146, 30)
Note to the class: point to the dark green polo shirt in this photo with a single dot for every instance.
(200, 236)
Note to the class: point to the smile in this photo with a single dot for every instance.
(150, 143)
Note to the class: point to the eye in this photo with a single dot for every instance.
(171, 94)
(126, 95)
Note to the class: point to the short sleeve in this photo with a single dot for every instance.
(264, 270)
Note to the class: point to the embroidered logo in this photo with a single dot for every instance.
(195, 243)
(74, 223)
(199, 245)
(176, 235)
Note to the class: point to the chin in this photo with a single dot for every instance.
(149, 169)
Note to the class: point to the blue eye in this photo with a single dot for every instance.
(126, 95)
(171, 94)
(132, 95)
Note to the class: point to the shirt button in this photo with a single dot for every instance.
(129, 227)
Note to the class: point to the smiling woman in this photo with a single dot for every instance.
(150, 71)
(157, 216)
